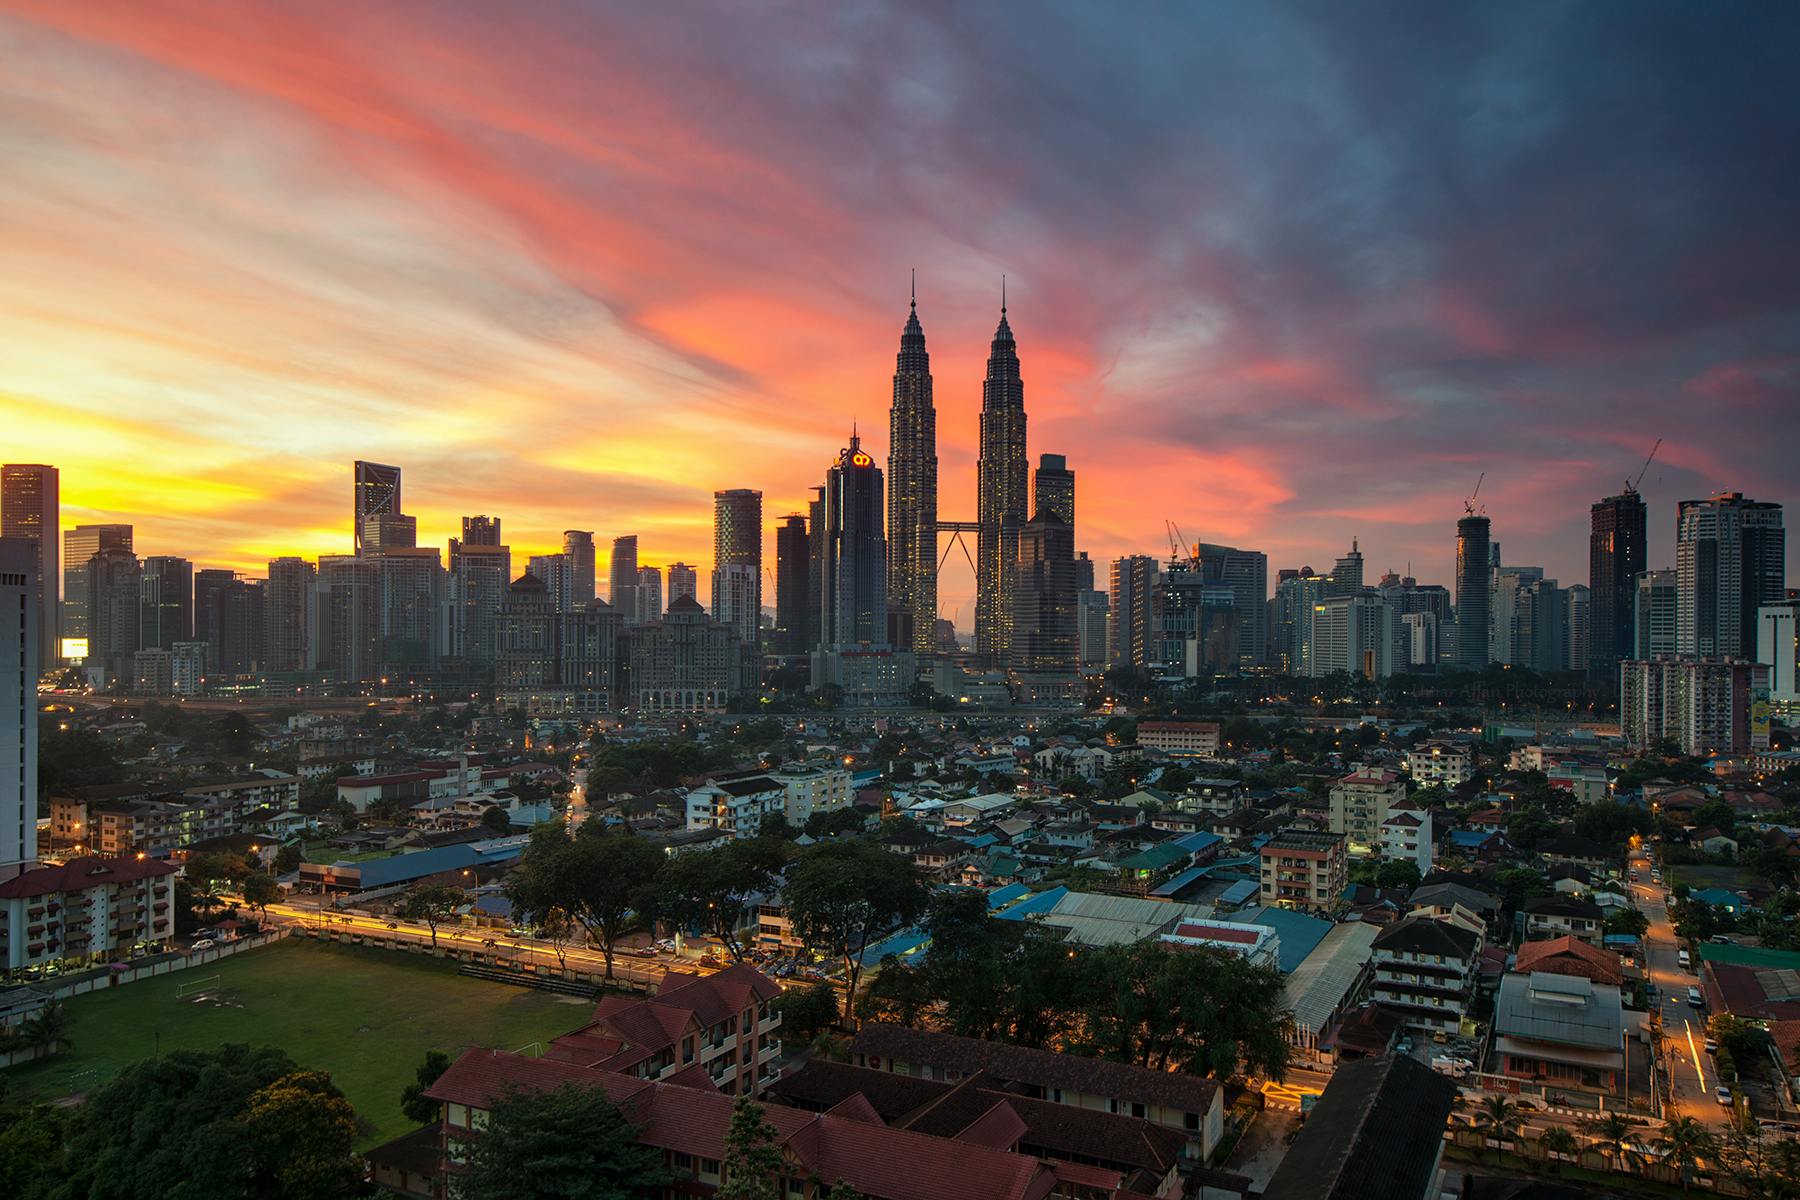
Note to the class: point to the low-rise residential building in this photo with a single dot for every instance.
(1445, 764)
(86, 910)
(738, 805)
(1255, 943)
(1570, 956)
(1304, 869)
(1564, 1031)
(1555, 916)
(1406, 837)
(1180, 739)
(1188, 1103)
(1360, 803)
(1426, 970)
(814, 789)
(724, 1024)
(1326, 984)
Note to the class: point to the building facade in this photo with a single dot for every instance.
(1730, 559)
(1001, 495)
(1617, 546)
(1472, 587)
(912, 483)
(21, 559)
(1304, 869)
(31, 511)
(86, 910)
(737, 565)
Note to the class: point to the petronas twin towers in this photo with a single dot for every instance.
(1002, 495)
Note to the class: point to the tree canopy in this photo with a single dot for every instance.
(572, 1143)
(842, 897)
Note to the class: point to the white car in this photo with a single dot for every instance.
(1723, 1095)
(203, 944)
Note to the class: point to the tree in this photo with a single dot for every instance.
(1558, 1144)
(31, 1148)
(413, 1102)
(572, 1143)
(496, 821)
(1500, 1119)
(842, 896)
(209, 866)
(1627, 920)
(1611, 1133)
(431, 905)
(180, 1127)
(287, 859)
(260, 891)
(303, 1133)
(712, 891)
(1685, 1141)
(806, 1012)
(752, 1166)
(603, 881)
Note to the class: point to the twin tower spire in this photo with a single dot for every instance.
(1002, 500)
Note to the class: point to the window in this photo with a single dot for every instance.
(1137, 1110)
(709, 1166)
(1190, 1121)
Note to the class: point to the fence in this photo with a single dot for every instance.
(107, 977)
(1633, 1163)
(530, 964)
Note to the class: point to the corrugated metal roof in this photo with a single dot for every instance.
(1318, 985)
(1300, 934)
(1001, 897)
(1172, 886)
(1239, 892)
(1031, 906)
(1567, 1009)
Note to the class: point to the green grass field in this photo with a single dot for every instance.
(366, 1016)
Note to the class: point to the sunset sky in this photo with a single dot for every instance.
(1284, 273)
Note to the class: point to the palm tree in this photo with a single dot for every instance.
(1609, 1131)
(1558, 1143)
(1685, 1141)
(1500, 1119)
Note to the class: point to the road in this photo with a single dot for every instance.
(521, 951)
(1684, 1028)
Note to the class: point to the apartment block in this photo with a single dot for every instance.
(1305, 869)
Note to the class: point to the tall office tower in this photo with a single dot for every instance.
(622, 582)
(1419, 634)
(1653, 613)
(388, 531)
(1053, 488)
(650, 595)
(912, 504)
(793, 554)
(556, 573)
(348, 616)
(1297, 598)
(683, 581)
(1778, 648)
(375, 492)
(1092, 604)
(737, 565)
(1084, 571)
(1352, 633)
(1046, 630)
(1578, 627)
(1195, 625)
(815, 569)
(166, 602)
(288, 615)
(1616, 548)
(587, 648)
(1731, 558)
(479, 576)
(1131, 610)
(1506, 586)
(1347, 576)
(82, 543)
(853, 599)
(114, 579)
(1473, 566)
(1000, 493)
(1246, 573)
(1541, 635)
(30, 509)
(21, 567)
(525, 637)
(485, 531)
(578, 546)
(415, 610)
(228, 617)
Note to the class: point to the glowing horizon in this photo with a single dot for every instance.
(1288, 278)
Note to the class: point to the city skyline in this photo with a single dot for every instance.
(354, 259)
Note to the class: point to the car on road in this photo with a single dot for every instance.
(1712, 1045)
(1719, 939)
(1685, 959)
(1723, 1095)
(1694, 999)
(203, 944)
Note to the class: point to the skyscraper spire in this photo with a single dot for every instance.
(912, 492)
(1001, 491)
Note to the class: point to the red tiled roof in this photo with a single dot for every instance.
(878, 1161)
(1570, 956)
(80, 874)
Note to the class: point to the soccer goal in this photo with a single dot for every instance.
(187, 991)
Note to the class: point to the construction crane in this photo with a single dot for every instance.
(1178, 544)
(1631, 487)
(1469, 504)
